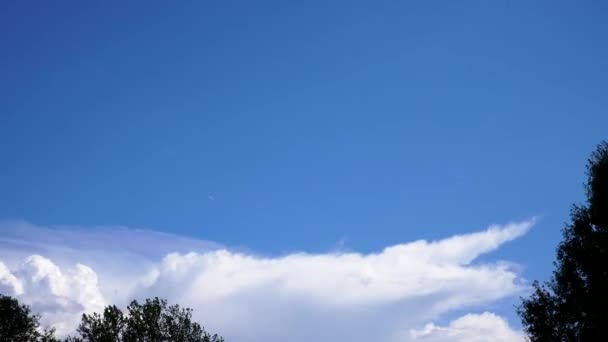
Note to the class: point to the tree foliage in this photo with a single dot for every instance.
(18, 324)
(152, 321)
(573, 304)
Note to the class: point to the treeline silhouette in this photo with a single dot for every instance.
(151, 321)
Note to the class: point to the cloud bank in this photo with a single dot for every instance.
(393, 295)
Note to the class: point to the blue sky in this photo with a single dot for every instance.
(303, 126)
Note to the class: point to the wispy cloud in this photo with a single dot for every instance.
(391, 295)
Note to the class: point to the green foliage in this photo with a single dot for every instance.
(573, 304)
(152, 321)
(18, 324)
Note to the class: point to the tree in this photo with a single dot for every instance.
(102, 328)
(18, 324)
(573, 304)
(152, 321)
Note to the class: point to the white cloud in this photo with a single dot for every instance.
(8, 282)
(485, 327)
(387, 296)
(60, 295)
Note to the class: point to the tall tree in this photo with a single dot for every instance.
(18, 324)
(573, 304)
(152, 321)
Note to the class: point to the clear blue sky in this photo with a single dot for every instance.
(295, 125)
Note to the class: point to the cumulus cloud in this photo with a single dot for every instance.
(389, 296)
(485, 327)
(60, 295)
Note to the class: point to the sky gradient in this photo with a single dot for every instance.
(308, 126)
